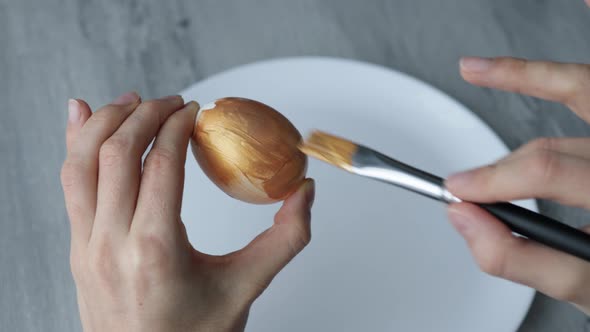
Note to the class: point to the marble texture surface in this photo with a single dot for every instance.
(55, 49)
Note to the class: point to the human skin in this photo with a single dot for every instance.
(550, 168)
(131, 260)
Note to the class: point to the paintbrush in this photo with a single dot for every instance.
(369, 163)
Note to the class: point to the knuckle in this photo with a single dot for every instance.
(114, 149)
(105, 116)
(147, 114)
(161, 158)
(492, 262)
(577, 86)
(103, 264)
(542, 143)
(149, 110)
(543, 166)
(150, 105)
(150, 261)
(511, 64)
(545, 69)
(150, 255)
(71, 172)
(487, 176)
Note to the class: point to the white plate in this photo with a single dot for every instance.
(381, 259)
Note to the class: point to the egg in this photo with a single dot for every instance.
(249, 150)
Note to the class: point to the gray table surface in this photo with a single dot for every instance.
(52, 50)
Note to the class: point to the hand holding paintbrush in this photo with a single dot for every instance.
(553, 257)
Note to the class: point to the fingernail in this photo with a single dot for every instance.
(191, 105)
(128, 98)
(475, 64)
(173, 97)
(459, 221)
(458, 180)
(309, 192)
(73, 111)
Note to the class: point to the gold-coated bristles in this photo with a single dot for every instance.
(330, 149)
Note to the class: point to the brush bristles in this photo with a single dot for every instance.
(328, 148)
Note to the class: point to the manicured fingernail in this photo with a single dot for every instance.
(128, 98)
(459, 221)
(458, 180)
(74, 111)
(475, 64)
(309, 192)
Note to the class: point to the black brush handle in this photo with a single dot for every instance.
(534, 226)
(542, 229)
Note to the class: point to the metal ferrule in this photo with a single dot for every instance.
(372, 164)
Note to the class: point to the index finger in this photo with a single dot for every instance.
(567, 83)
(538, 174)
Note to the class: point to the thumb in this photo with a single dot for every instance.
(499, 253)
(269, 252)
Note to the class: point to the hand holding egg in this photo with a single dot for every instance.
(130, 250)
